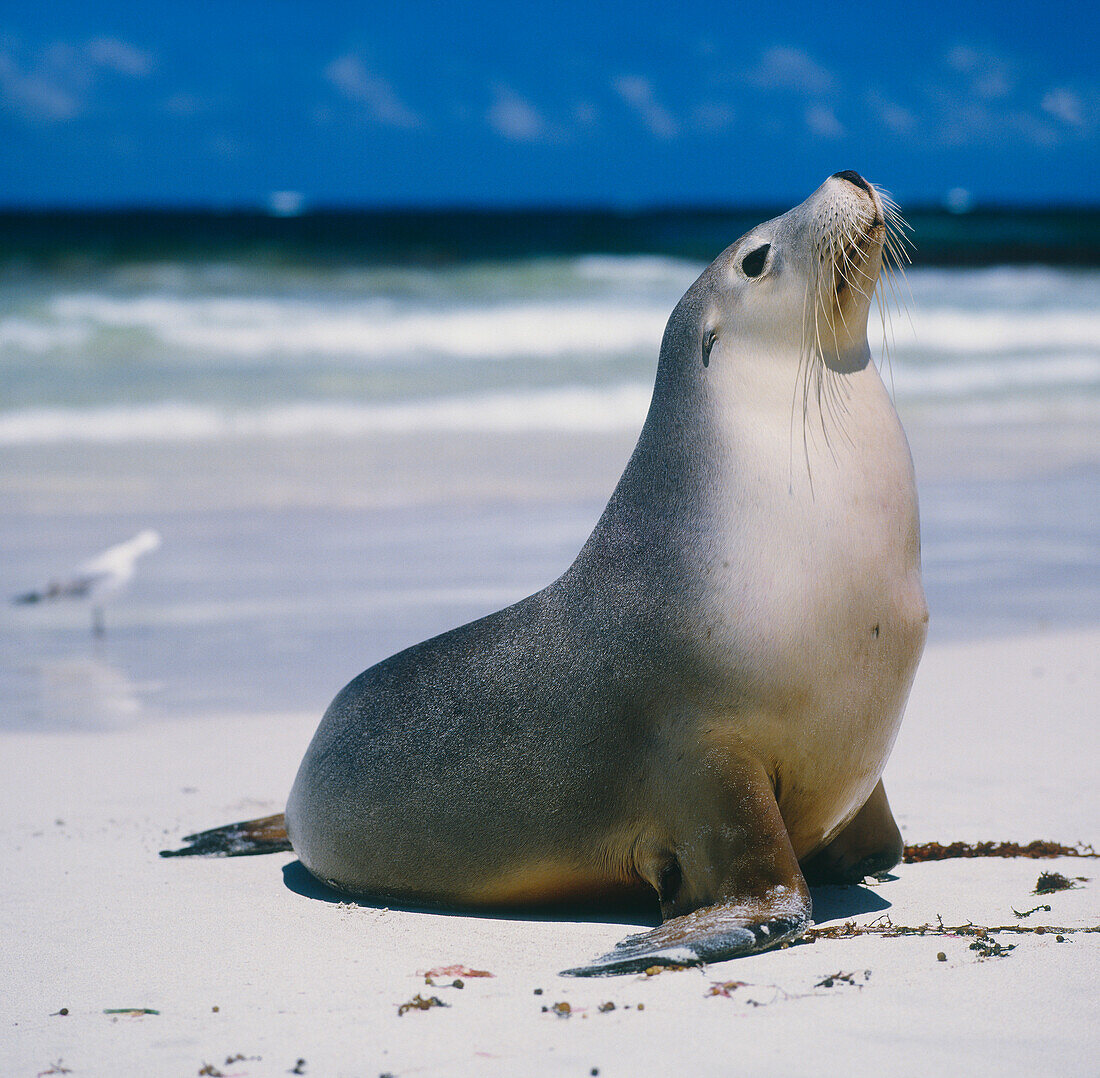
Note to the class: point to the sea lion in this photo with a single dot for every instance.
(708, 696)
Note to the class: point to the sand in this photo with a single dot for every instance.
(999, 743)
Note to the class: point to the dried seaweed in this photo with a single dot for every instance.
(934, 851)
(419, 1003)
(1050, 882)
(453, 971)
(1028, 913)
(990, 948)
(887, 929)
(726, 988)
(56, 1068)
(843, 978)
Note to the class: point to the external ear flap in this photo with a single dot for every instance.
(710, 335)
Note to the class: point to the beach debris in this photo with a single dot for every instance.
(133, 1012)
(538, 991)
(456, 971)
(419, 1003)
(55, 1068)
(843, 978)
(934, 851)
(298, 1068)
(990, 948)
(431, 982)
(726, 988)
(208, 1070)
(603, 1008)
(886, 928)
(669, 967)
(1049, 882)
(1028, 913)
(453, 971)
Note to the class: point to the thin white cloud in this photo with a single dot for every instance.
(34, 95)
(782, 68)
(714, 116)
(371, 91)
(822, 121)
(514, 117)
(1065, 105)
(894, 117)
(637, 92)
(989, 76)
(119, 56)
(56, 83)
(964, 121)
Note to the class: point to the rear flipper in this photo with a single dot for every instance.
(733, 888)
(870, 843)
(266, 835)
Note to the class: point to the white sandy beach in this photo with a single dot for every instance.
(999, 743)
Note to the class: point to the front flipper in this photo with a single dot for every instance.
(733, 888)
(711, 934)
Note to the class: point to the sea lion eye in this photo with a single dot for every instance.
(753, 265)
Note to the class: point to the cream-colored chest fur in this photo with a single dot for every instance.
(813, 600)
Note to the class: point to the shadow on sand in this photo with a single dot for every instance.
(830, 904)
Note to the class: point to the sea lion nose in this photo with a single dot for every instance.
(853, 178)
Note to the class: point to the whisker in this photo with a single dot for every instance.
(803, 347)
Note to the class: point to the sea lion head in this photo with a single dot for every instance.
(800, 284)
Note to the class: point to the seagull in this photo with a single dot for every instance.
(99, 578)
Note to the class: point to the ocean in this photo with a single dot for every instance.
(353, 430)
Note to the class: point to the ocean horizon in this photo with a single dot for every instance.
(77, 238)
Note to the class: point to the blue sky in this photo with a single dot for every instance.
(105, 102)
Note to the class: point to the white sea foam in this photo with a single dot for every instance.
(40, 337)
(997, 376)
(260, 327)
(646, 269)
(251, 328)
(568, 409)
(958, 330)
(590, 306)
(552, 333)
